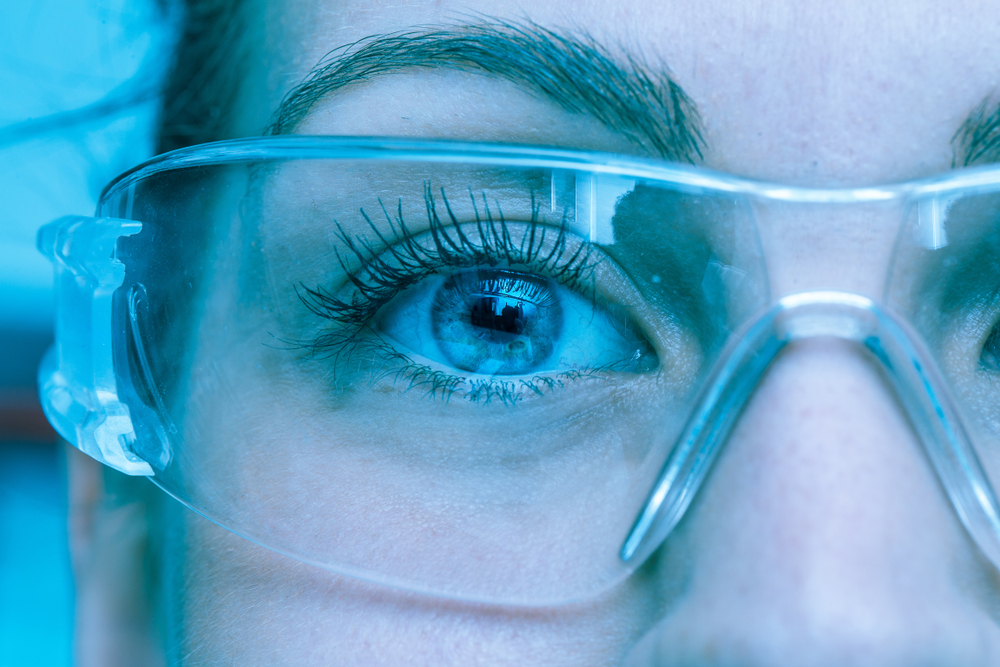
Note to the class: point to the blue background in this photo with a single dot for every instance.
(77, 106)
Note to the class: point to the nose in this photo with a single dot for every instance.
(822, 537)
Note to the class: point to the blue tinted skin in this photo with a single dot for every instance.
(821, 537)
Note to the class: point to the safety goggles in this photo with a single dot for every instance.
(496, 373)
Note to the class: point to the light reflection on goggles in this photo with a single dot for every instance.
(489, 373)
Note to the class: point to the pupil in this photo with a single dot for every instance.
(496, 321)
(490, 312)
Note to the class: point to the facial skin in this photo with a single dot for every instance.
(821, 537)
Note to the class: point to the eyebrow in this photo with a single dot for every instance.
(977, 140)
(573, 71)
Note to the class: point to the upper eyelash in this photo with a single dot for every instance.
(403, 261)
(527, 290)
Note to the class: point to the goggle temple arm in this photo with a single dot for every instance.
(77, 384)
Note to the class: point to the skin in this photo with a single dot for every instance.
(821, 537)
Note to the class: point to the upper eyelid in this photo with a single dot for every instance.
(494, 243)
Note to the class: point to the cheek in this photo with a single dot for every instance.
(380, 459)
(245, 605)
(377, 460)
(451, 497)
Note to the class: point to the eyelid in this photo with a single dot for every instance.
(399, 256)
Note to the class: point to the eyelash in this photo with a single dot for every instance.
(403, 262)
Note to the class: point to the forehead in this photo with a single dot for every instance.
(844, 93)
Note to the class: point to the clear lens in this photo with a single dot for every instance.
(503, 374)
(946, 282)
(460, 377)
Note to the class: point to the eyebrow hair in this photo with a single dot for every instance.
(977, 140)
(573, 71)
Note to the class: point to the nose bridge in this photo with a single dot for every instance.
(811, 246)
(908, 369)
(820, 538)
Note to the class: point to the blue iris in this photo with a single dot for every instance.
(496, 321)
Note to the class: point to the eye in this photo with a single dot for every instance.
(503, 322)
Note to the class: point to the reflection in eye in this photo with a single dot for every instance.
(503, 322)
(496, 322)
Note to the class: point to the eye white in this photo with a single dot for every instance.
(591, 336)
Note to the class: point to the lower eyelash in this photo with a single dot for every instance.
(487, 390)
(510, 392)
(441, 384)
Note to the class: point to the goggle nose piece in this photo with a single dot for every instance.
(824, 314)
(909, 369)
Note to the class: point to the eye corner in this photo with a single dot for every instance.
(989, 355)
